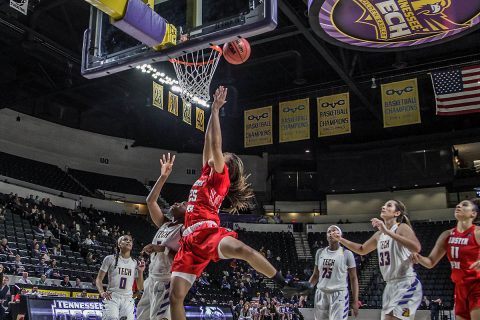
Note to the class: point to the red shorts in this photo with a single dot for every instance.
(467, 298)
(199, 248)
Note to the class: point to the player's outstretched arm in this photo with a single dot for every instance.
(166, 164)
(435, 255)
(216, 134)
(358, 248)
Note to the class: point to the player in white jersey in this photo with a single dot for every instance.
(394, 241)
(122, 272)
(333, 265)
(154, 303)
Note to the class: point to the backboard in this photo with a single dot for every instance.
(199, 23)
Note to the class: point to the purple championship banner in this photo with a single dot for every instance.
(381, 25)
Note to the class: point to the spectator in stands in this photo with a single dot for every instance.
(88, 241)
(269, 254)
(315, 246)
(245, 312)
(43, 247)
(277, 218)
(47, 233)
(225, 284)
(4, 293)
(435, 306)
(19, 268)
(66, 282)
(57, 250)
(84, 294)
(263, 219)
(90, 259)
(262, 251)
(24, 279)
(35, 292)
(37, 230)
(42, 281)
(41, 268)
(78, 284)
(5, 249)
(94, 240)
(53, 272)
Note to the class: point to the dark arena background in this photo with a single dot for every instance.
(340, 107)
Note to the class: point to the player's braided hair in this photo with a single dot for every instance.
(240, 192)
(117, 255)
(403, 217)
(476, 206)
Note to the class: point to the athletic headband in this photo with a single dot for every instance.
(336, 227)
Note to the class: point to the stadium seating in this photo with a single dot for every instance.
(38, 173)
(97, 181)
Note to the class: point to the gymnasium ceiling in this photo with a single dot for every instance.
(40, 63)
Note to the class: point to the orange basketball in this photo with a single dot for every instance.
(237, 52)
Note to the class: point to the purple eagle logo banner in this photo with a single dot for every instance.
(392, 24)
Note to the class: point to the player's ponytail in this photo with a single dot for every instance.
(117, 255)
(240, 192)
(403, 217)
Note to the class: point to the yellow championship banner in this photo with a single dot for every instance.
(258, 127)
(89, 295)
(333, 113)
(48, 292)
(400, 103)
(157, 100)
(200, 119)
(173, 103)
(187, 112)
(294, 120)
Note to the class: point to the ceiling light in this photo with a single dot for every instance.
(307, 151)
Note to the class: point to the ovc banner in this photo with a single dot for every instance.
(333, 115)
(173, 103)
(400, 103)
(294, 120)
(157, 100)
(200, 119)
(258, 127)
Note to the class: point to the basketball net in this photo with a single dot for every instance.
(195, 72)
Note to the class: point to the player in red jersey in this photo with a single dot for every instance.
(462, 246)
(203, 239)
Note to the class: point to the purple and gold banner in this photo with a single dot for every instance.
(392, 24)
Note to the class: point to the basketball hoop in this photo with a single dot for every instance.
(195, 72)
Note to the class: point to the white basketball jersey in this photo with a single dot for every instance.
(121, 277)
(160, 263)
(393, 258)
(333, 268)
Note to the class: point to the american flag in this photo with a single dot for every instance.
(457, 91)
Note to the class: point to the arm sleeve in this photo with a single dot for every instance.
(107, 262)
(350, 259)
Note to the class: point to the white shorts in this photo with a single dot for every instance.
(331, 305)
(402, 298)
(119, 307)
(154, 303)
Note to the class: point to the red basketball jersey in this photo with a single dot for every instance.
(207, 195)
(462, 251)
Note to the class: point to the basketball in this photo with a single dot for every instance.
(237, 52)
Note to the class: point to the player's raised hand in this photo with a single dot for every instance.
(377, 223)
(219, 98)
(475, 265)
(166, 164)
(141, 265)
